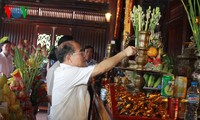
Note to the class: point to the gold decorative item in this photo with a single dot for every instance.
(144, 39)
(143, 25)
(139, 83)
(108, 50)
(142, 58)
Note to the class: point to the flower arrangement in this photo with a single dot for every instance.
(25, 82)
(157, 59)
(144, 22)
(28, 67)
(28, 64)
(193, 10)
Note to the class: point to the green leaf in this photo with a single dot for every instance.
(3, 39)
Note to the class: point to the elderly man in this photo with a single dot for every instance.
(70, 97)
(51, 70)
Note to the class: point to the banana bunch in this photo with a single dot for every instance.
(152, 81)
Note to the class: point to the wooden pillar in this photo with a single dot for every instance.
(127, 21)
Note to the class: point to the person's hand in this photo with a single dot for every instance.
(130, 50)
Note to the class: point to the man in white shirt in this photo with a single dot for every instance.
(70, 97)
(51, 70)
(6, 60)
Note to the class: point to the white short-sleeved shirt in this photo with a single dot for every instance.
(50, 76)
(6, 64)
(70, 97)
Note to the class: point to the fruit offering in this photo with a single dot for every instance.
(157, 59)
(10, 106)
(152, 80)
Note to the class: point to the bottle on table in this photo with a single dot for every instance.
(193, 102)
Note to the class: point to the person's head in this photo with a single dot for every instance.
(70, 52)
(89, 51)
(64, 39)
(6, 47)
(52, 54)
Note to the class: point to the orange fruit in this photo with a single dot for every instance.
(152, 52)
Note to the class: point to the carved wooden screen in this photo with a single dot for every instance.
(43, 36)
(84, 35)
(50, 34)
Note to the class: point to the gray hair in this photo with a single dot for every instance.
(63, 50)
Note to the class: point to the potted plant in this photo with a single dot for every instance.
(193, 13)
(144, 25)
(144, 22)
